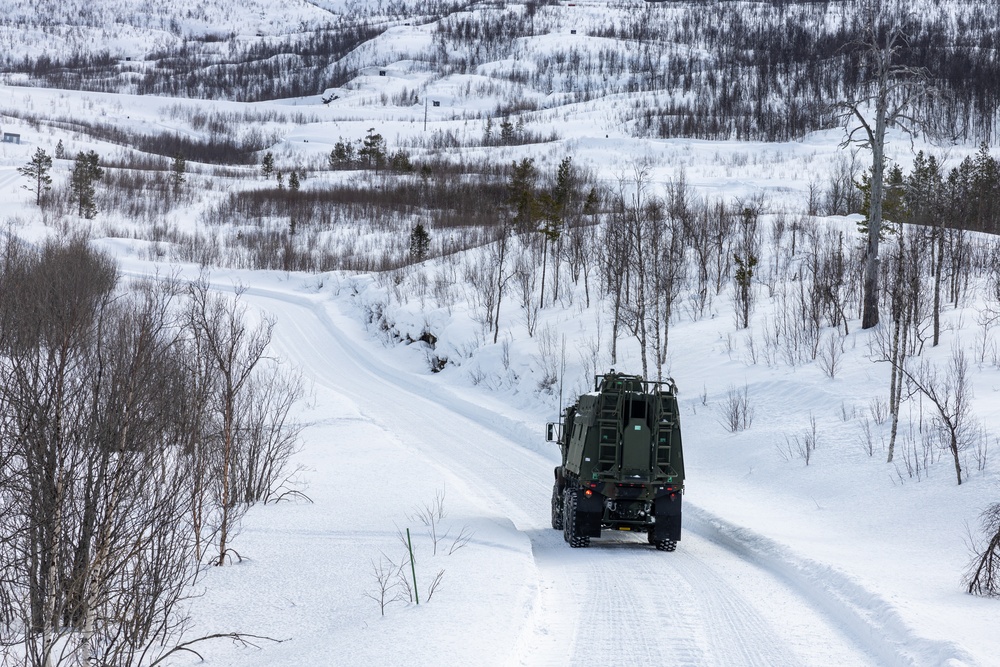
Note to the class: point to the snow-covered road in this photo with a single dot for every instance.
(619, 602)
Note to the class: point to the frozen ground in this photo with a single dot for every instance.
(846, 561)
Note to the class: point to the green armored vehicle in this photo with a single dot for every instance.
(622, 464)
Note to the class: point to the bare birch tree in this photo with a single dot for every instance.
(94, 550)
(97, 443)
(235, 349)
(951, 396)
(885, 102)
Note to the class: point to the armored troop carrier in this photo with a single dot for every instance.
(622, 462)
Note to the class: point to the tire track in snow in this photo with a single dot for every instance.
(624, 599)
(866, 615)
(730, 620)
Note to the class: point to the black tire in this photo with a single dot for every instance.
(557, 508)
(575, 541)
(649, 537)
(666, 545)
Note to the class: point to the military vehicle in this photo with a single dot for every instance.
(622, 464)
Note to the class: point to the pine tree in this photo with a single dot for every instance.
(293, 181)
(554, 205)
(38, 171)
(60, 151)
(506, 131)
(400, 161)
(267, 164)
(893, 202)
(86, 172)
(342, 155)
(986, 191)
(521, 194)
(592, 203)
(488, 132)
(373, 150)
(420, 241)
(922, 190)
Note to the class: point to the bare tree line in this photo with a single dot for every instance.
(773, 72)
(770, 72)
(136, 425)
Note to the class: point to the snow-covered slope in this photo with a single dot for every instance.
(844, 561)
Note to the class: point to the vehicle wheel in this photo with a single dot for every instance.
(666, 545)
(649, 536)
(575, 541)
(557, 509)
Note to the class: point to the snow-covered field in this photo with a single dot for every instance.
(781, 564)
(844, 561)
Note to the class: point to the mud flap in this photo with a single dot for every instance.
(667, 510)
(589, 512)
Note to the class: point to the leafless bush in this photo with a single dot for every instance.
(918, 452)
(841, 196)
(866, 438)
(878, 408)
(403, 580)
(430, 515)
(462, 539)
(950, 395)
(981, 449)
(831, 352)
(985, 346)
(97, 546)
(736, 412)
(268, 436)
(387, 575)
(751, 347)
(547, 359)
(525, 280)
(804, 445)
(435, 583)
(983, 576)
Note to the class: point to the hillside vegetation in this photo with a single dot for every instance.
(510, 198)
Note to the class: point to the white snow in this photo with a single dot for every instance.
(846, 561)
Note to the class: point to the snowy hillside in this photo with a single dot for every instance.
(430, 367)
